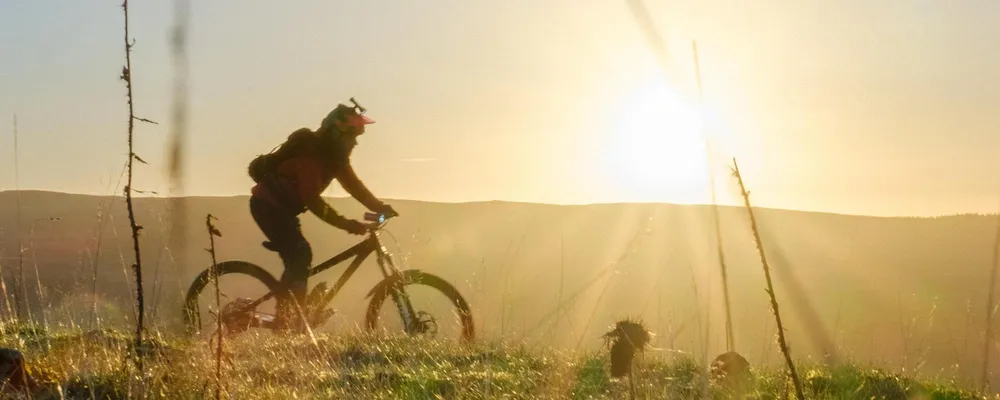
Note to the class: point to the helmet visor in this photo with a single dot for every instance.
(359, 120)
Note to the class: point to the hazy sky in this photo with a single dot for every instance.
(874, 107)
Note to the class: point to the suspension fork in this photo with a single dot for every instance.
(399, 296)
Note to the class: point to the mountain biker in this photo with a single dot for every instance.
(295, 185)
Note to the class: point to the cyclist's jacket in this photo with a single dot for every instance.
(305, 176)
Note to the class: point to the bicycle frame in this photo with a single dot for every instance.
(360, 253)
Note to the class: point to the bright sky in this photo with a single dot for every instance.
(885, 108)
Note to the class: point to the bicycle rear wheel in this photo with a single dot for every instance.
(414, 286)
(239, 281)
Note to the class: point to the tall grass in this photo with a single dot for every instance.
(21, 293)
(770, 287)
(89, 365)
(34, 262)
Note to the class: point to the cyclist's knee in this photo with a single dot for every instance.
(298, 250)
(302, 253)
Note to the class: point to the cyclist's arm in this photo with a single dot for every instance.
(352, 184)
(311, 186)
(322, 209)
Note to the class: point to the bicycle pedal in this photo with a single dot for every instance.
(268, 318)
(317, 293)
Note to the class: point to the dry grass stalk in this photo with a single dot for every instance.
(19, 290)
(990, 309)
(212, 233)
(6, 297)
(770, 288)
(730, 339)
(34, 262)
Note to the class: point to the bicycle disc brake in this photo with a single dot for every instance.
(425, 325)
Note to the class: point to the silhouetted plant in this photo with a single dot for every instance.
(628, 338)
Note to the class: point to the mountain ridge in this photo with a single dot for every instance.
(472, 202)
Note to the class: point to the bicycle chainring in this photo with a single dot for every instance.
(237, 316)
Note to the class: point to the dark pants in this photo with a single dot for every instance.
(283, 230)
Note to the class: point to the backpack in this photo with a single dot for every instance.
(264, 165)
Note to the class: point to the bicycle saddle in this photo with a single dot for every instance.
(268, 245)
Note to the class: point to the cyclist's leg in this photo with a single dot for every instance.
(296, 275)
(283, 230)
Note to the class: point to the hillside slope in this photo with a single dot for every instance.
(902, 292)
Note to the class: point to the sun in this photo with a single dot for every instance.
(657, 151)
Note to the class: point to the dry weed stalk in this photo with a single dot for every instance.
(137, 266)
(212, 233)
(770, 288)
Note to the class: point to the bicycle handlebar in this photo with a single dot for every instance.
(376, 217)
(377, 220)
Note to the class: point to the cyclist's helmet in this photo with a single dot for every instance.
(353, 116)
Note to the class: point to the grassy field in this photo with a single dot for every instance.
(83, 365)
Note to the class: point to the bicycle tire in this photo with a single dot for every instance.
(190, 309)
(383, 289)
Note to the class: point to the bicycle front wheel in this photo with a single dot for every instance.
(412, 292)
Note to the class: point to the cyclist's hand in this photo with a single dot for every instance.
(388, 211)
(354, 227)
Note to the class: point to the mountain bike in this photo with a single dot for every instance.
(242, 313)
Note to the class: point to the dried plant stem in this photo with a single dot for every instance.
(730, 339)
(770, 288)
(20, 292)
(132, 157)
(21, 288)
(988, 340)
(6, 296)
(212, 233)
(631, 384)
(95, 322)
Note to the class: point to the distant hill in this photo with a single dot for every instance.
(901, 292)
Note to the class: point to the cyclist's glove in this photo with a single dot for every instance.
(387, 210)
(354, 227)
